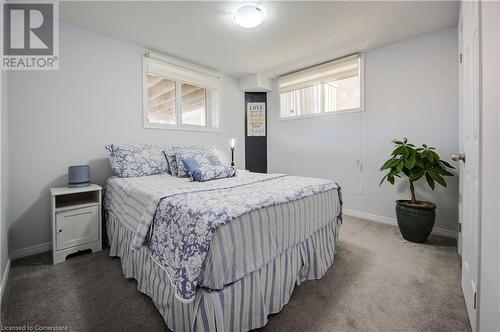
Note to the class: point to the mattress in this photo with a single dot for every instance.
(244, 244)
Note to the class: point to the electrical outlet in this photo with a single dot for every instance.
(360, 191)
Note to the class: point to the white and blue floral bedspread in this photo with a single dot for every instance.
(181, 217)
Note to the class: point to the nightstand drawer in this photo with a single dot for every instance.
(77, 226)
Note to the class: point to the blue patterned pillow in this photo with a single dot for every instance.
(137, 160)
(207, 173)
(172, 150)
(194, 162)
(204, 156)
(172, 163)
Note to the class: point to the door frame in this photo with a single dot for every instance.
(489, 266)
(460, 125)
(488, 274)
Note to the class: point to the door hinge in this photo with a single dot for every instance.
(460, 227)
(475, 298)
(461, 58)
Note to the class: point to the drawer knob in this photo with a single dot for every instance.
(60, 231)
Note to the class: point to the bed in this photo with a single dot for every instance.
(222, 255)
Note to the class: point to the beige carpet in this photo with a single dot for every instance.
(378, 282)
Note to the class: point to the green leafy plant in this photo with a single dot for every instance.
(415, 163)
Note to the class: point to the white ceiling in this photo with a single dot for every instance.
(293, 35)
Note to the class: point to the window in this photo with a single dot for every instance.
(325, 89)
(161, 99)
(179, 96)
(193, 105)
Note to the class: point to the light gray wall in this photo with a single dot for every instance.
(65, 117)
(4, 176)
(411, 91)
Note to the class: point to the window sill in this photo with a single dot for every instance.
(159, 126)
(320, 115)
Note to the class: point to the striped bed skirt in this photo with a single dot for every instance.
(241, 306)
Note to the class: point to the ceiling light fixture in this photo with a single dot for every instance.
(249, 16)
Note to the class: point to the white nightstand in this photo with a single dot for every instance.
(76, 220)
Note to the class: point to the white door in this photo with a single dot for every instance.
(469, 156)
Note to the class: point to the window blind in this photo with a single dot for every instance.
(331, 71)
(204, 79)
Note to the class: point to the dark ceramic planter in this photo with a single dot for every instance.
(415, 223)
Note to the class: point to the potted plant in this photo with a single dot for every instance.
(415, 218)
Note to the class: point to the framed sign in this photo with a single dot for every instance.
(255, 132)
(256, 119)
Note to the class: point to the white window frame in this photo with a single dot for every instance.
(336, 113)
(212, 96)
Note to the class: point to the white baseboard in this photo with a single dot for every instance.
(4, 283)
(42, 247)
(444, 232)
(392, 221)
(369, 216)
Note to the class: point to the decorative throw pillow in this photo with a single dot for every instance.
(137, 160)
(192, 162)
(173, 150)
(195, 159)
(170, 156)
(172, 163)
(207, 173)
